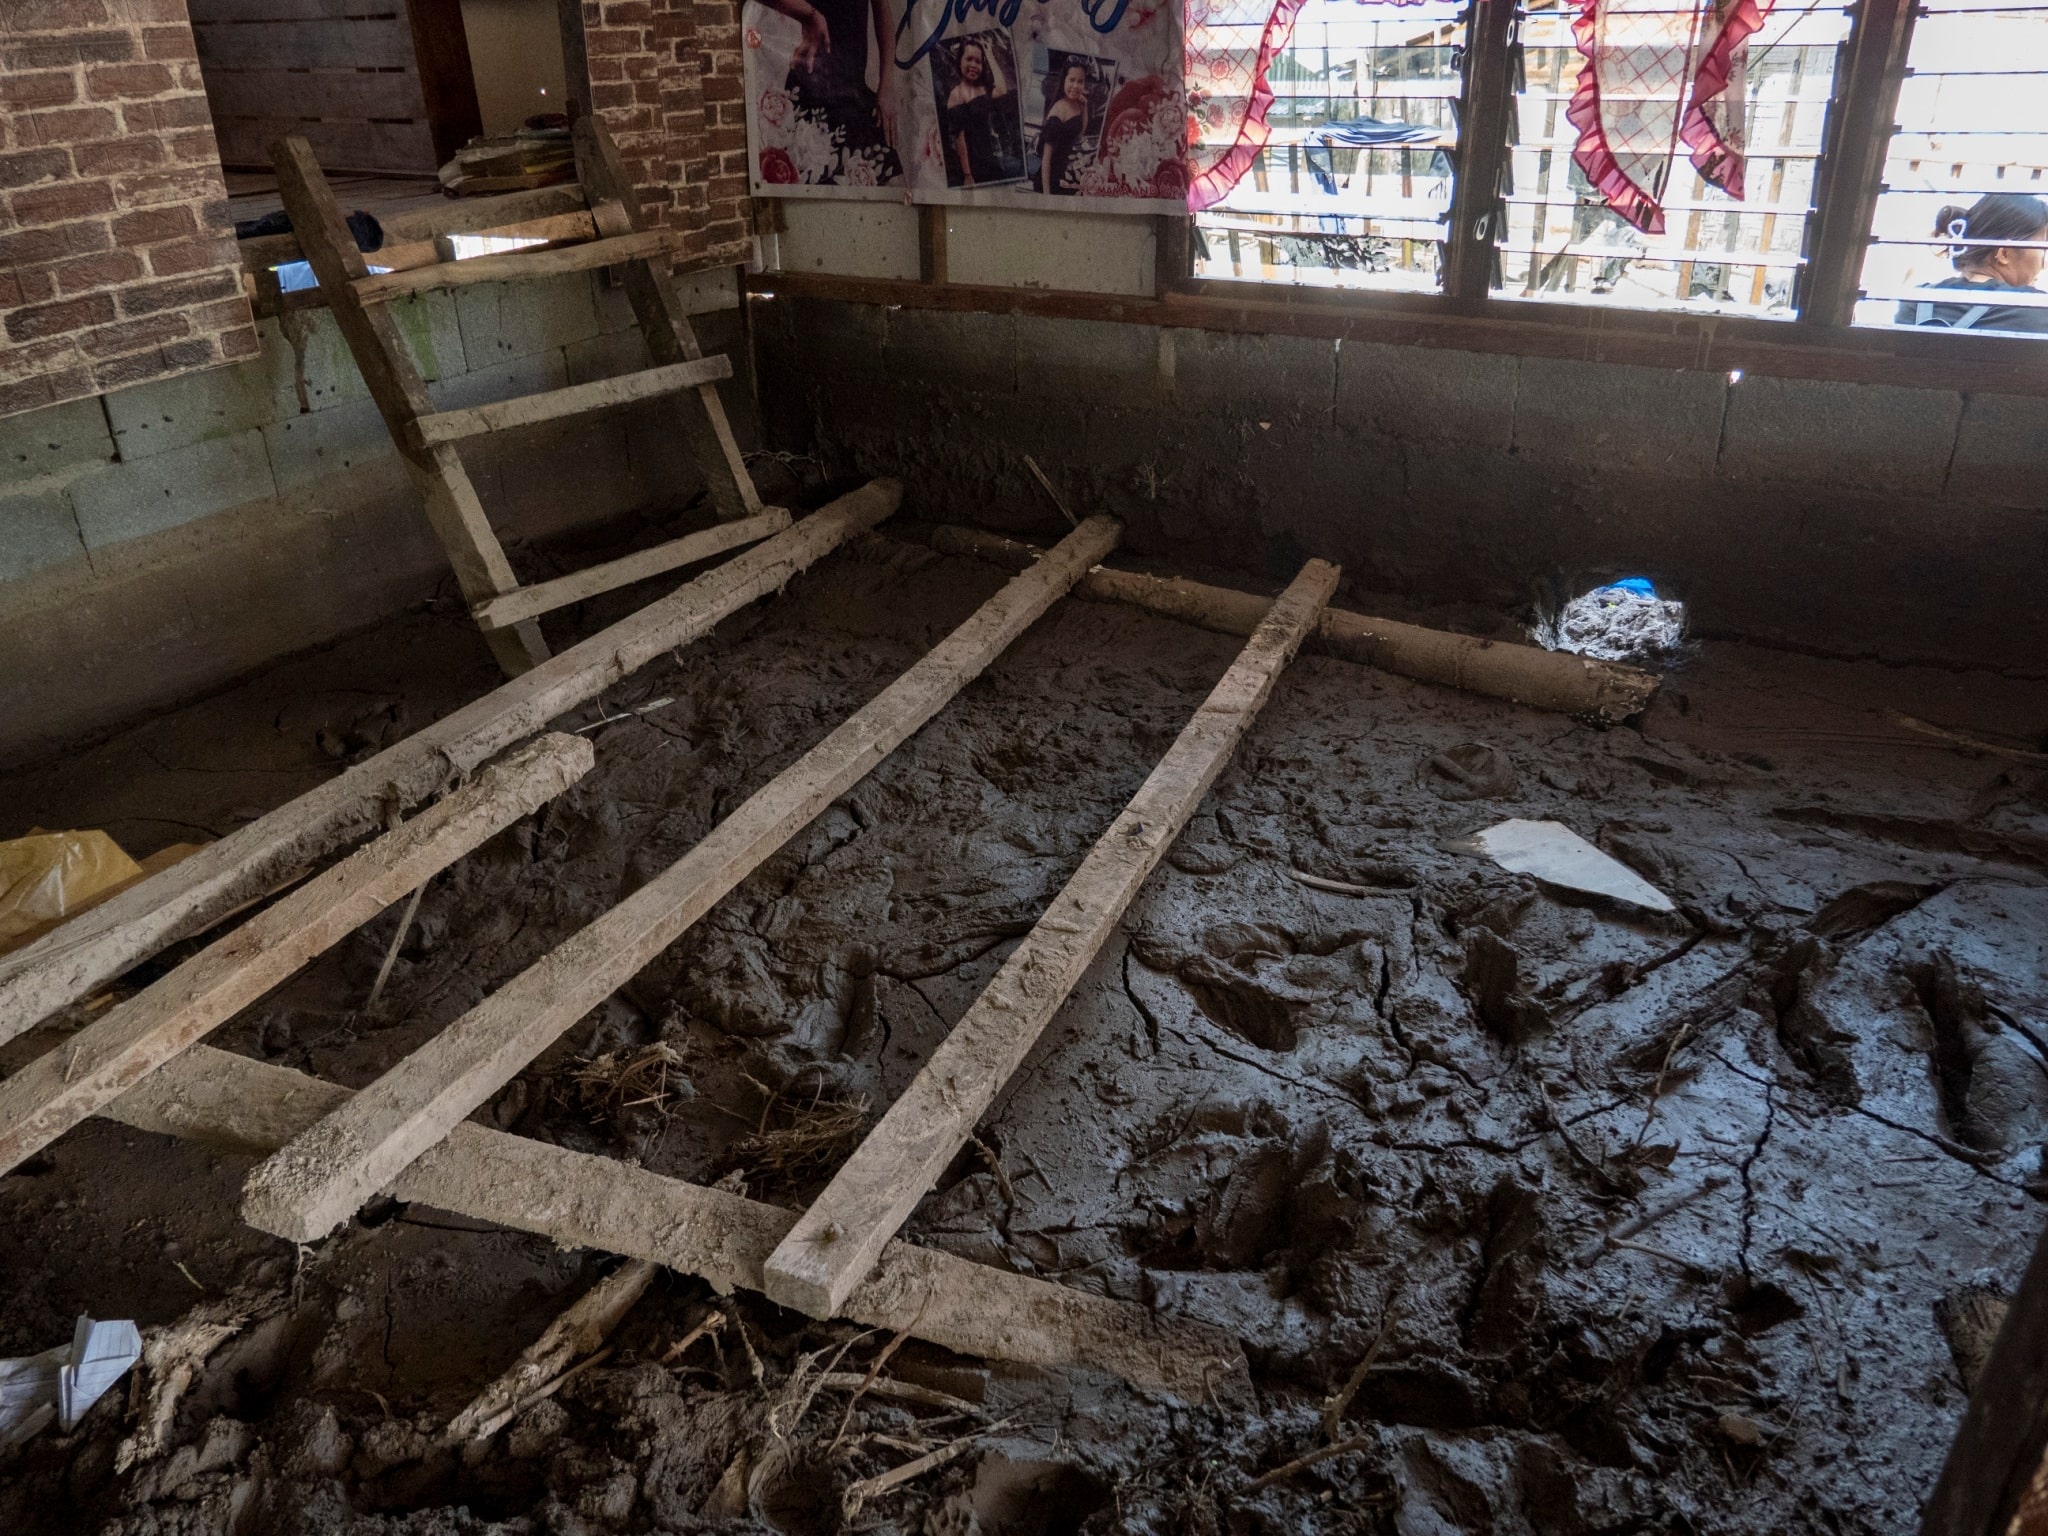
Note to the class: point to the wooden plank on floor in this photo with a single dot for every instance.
(831, 1249)
(546, 596)
(598, 395)
(519, 266)
(113, 1053)
(324, 1176)
(577, 1199)
(1608, 691)
(96, 946)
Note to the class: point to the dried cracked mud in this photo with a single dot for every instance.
(1541, 1215)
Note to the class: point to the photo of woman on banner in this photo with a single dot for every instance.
(978, 110)
(1073, 90)
(828, 92)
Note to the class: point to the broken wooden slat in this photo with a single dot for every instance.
(587, 1323)
(516, 266)
(96, 946)
(600, 394)
(577, 1199)
(837, 1240)
(326, 1173)
(547, 596)
(57, 1090)
(1522, 674)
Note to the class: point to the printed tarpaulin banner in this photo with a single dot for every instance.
(1005, 102)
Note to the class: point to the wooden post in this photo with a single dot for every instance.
(1478, 209)
(325, 1175)
(1851, 170)
(481, 569)
(580, 1200)
(96, 1066)
(189, 897)
(837, 1241)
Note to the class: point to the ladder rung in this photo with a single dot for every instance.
(516, 266)
(544, 597)
(529, 410)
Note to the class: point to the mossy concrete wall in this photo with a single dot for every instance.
(162, 540)
(1844, 518)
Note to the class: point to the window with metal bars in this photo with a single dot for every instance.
(1353, 185)
(1965, 175)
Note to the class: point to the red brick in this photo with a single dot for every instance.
(63, 200)
(723, 90)
(79, 125)
(127, 82)
(240, 343)
(57, 319)
(196, 353)
(150, 298)
(24, 246)
(33, 166)
(150, 189)
(20, 92)
(33, 392)
(133, 335)
(193, 146)
(222, 315)
(123, 371)
(172, 223)
(114, 156)
(160, 116)
(83, 274)
(54, 15)
(175, 258)
(169, 43)
(65, 49)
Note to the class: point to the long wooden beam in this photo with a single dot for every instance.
(832, 1248)
(517, 266)
(96, 1066)
(253, 861)
(580, 1200)
(1606, 691)
(576, 400)
(547, 596)
(327, 1172)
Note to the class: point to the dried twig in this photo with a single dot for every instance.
(874, 1370)
(902, 1391)
(1594, 1247)
(705, 1329)
(1310, 1458)
(867, 1488)
(1334, 1406)
(1046, 485)
(1962, 739)
(412, 909)
(1334, 887)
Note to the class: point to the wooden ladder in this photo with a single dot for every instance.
(426, 439)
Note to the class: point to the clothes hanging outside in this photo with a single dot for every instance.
(1659, 75)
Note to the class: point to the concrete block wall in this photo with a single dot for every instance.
(162, 540)
(117, 256)
(1843, 518)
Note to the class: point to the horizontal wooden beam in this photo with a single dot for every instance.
(113, 1053)
(1605, 691)
(577, 1199)
(598, 395)
(323, 1177)
(1924, 359)
(546, 596)
(838, 1240)
(454, 216)
(254, 860)
(518, 266)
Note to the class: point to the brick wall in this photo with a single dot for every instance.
(117, 260)
(665, 78)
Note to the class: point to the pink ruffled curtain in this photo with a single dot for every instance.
(1658, 74)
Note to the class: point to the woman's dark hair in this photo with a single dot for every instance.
(2002, 216)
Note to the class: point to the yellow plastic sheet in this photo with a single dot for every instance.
(49, 876)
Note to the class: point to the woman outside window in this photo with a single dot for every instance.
(1066, 124)
(1986, 269)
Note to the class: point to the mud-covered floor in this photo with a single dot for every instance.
(1396, 1124)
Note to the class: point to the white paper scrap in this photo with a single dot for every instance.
(63, 1383)
(1553, 852)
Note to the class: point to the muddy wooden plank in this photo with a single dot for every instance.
(1521, 674)
(580, 1200)
(598, 395)
(547, 596)
(96, 946)
(56, 1091)
(326, 1173)
(837, 1241)
(517, 266)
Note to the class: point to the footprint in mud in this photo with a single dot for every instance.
(1993, 1088)
(1469, 771)
(1259, 981)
